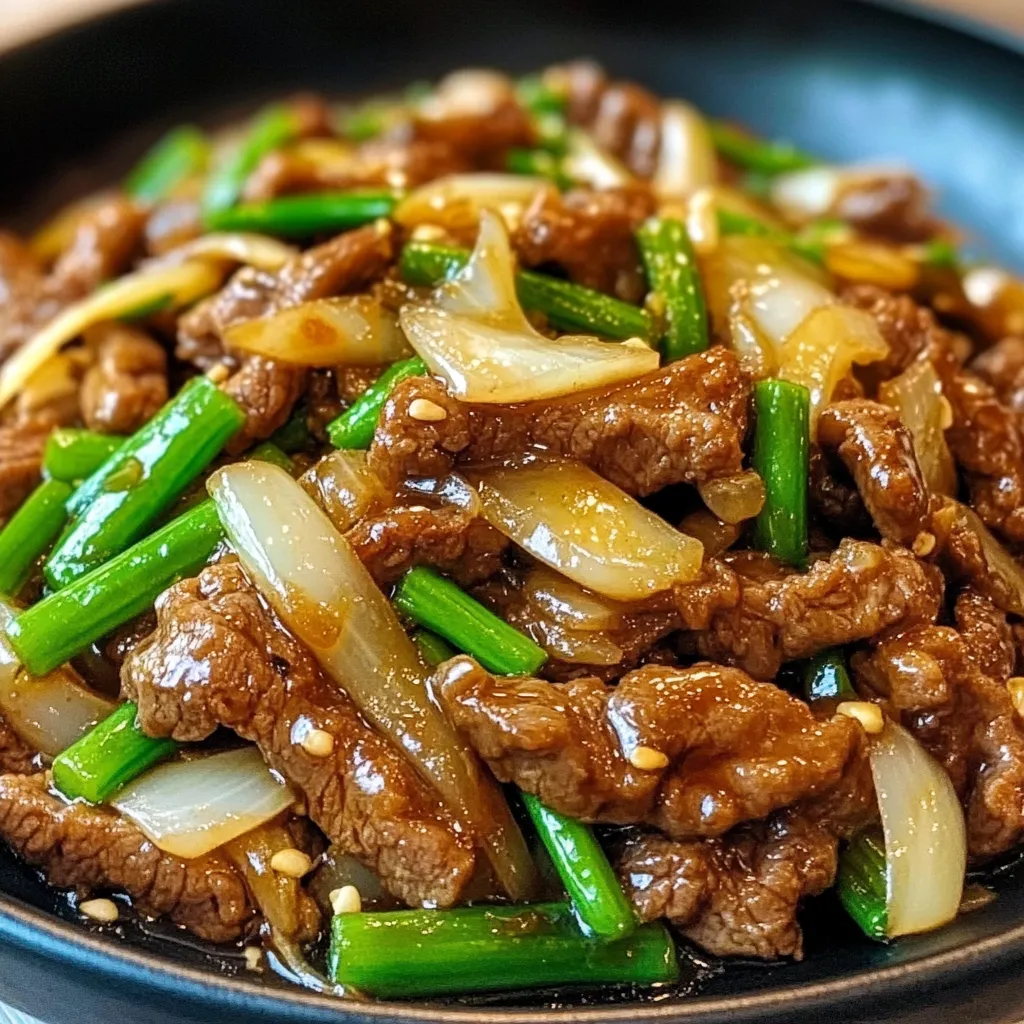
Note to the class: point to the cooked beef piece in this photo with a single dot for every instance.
(859, 591)
(21, 290)
(267, 390)
(834, 498)
(21, 455)
(105, 240)
(962, 717)
(690, 751)
(379, 163)
(684, 423)
(219, 658)
(896, 207)
(591, 235)
(623, 118)
(879, 453)
(128, 382)
(987, 634)
(457, 542)
(984, 438)
(738, 895)
(1002, 366)
(172, 223)
(93, 849)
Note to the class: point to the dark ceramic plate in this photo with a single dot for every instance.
(841, 79)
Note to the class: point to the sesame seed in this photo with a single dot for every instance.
(104, 911)
(291, 862)
(647, 759)
(869, 715)
(1015, 686)
(346, 900)
(318, 743)
(218, 374)
(427, 411)
(924, 544)
(253, 956)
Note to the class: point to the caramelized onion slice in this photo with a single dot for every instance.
(917, 395)
(352, 331)
(456, 202)
(254, 250)
(324, 594)
(475, 335)
(575, 521)
(686, 156)
(925, 838)
(48, 712)
(734, 499)
(569, 604)
(188, 808)
(343, 485)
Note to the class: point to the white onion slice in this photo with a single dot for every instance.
(925, 837)
(352, 331)
(586, 163)
(188, 808)
(178, 285)
(327, 598)
(476, 336)
(457, 201)
(48, 712)
(917, 395)
(568, 604)
(686, 158)
(817, 191)
(734, 499)
(342, 484)
(254, 250)
(575, 521)
(470, 92)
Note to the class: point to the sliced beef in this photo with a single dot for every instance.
(964, 719)
(21, 456)
(1002, 366)
(684, 423)
(879, 453)
(450, 539)
(92, 849)
(833, 497)
(16, 756)
(622, 118)
(591, 235)
(219, 658)
(987, 633)
(127, 384)
(859, 591)
(22, 283)
(105, 239)
(716, 747)
(895, 207)
(738, 895)
(266, 389)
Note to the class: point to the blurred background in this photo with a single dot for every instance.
(23, 19)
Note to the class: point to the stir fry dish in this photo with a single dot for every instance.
(506, 534)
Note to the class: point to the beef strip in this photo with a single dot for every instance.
(128, 383)
(984, 437)
(93, 849)
(22, 303)
(879, 453)
(833, 497)
(734, 896)
(683, 423)
(267, 389)
(987, 634)
(622, 118)
(964, 718)
(734, 749)
(16, 756)
(861, 590)
(895, 207)
(591, 235)
(451, 539)
(1002, 366)
(21, 455)
(219, 658)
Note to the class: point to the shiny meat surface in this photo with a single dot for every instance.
(219, 658)
(91, 849)
(691, 751)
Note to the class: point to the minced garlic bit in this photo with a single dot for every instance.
(318, 743)
(218, 374)
(426, 411)
(104, 911)
(291, 862)
(924, 544)
(346, 900)
(1015, 687)
(869, 715)
(647, 759)
(253, 956)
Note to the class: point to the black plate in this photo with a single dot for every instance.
(841, 79)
